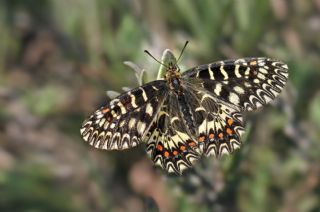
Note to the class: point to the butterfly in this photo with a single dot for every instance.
(184, 116)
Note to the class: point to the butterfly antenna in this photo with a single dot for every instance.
(147, 52)
(185, 45)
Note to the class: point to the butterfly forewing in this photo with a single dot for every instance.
(125, 120)
(248, 83)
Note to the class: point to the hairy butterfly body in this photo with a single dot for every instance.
(184, 116)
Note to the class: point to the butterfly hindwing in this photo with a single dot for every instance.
(248, 83)
(122, 123)
(224, 128)
(219, 124)
(168, 142)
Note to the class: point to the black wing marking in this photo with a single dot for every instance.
(219, 124)
(123, 122)
(169, 144)
(248, 83)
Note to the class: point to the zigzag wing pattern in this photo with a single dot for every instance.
(248, 83)
(169, 144)
(219, 123)
(185, 117)
(125, 120)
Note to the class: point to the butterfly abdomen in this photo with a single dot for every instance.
(187, 115)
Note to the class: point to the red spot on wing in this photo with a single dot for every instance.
(192, 143)
(229, 131)
(105, 110)
(201, 138)
(230, 121)
(211, 136)
(159, 147)
(182, 148)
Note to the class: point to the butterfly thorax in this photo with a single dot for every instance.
(173, 76)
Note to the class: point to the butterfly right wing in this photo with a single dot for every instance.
(248, 83)
(124, 121)
(219, 124)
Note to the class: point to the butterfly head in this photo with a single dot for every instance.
(169, 64)
(172, 67)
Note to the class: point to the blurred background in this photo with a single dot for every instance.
(58, 58)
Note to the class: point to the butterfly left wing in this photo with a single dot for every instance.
(247, 83)
(169, 144)
(124, 121)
